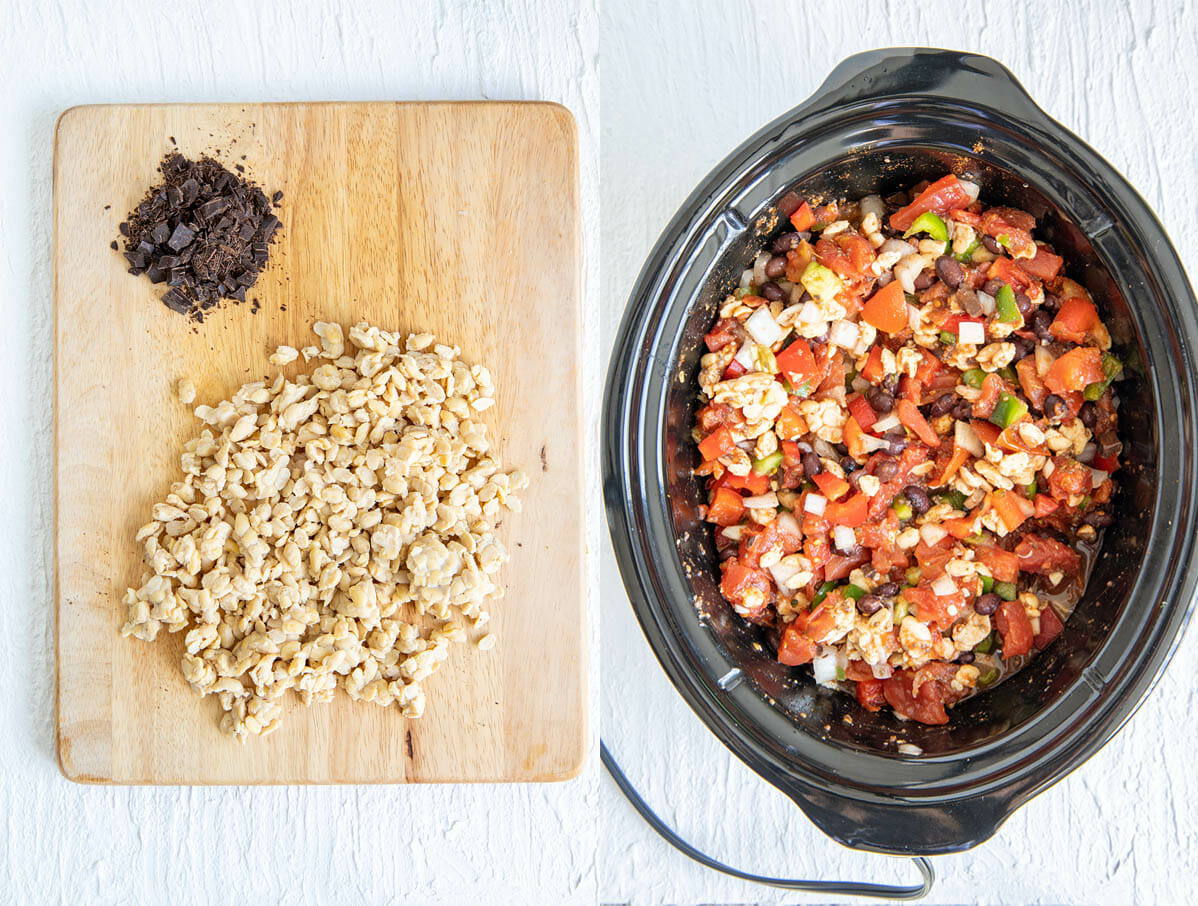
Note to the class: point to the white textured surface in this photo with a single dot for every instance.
(414, 845)
(683, 86)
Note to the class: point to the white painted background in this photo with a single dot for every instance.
(62, 843)
(684, 83)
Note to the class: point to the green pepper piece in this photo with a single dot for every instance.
(954, 498)
(975, 538)
(901, 609)
(948, 339)
(987, 584)
(988, 677)
(822, 592)
(856, 592)
(1094, 391)
(765, 359)
(974, 377)
(967, 256)
(902, 508)
(849, 377)
(929, 223)
(768, 465)
(1029, 490)
(913, 574)
(1006, 590)
(984, 646)
(1008, 411)
(1008, 374)
(1005, 309)
(740, 293)
(1111, 366)
(840, 674)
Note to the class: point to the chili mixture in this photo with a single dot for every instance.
(908, 434)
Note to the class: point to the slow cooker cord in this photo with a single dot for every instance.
(842, 888)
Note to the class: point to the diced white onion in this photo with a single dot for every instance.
(814, 504)
(899, 247)
(885, 423)
(732, 532)
(788, 524)
(872, 204)
(909, 748)
(861, 385)
(1043, 360)
(759, 268)
(1099, 476)
(908, 269)
(783, 573)
(762, 327)
(824, 667)
(766, 501)
(971, 189)
(882, 671)
(843, 334)
(810, 312)
(967, 439)
(913, 317)
(746, 279)
(931, 534)
(871, 444)
(845, 538)
(971, 332)
(944, 585)
(747, 356)
(1089, 451)
(987, 302)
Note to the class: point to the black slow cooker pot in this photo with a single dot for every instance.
(882, 121)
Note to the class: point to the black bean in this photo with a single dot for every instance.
(849, 464)
(918, 498)
(895, 446)
(1109, 444)
(992, 286)
(943, 404)
(1039, 324)
(1051, 303)
(925, 279)
(870, 604)
(771, 291)
(880, 400)
(811, 465)
(775, 267)
(898, 200)
(886, 470)
(788, 204)
(1055, 408)
(890, 383)
(889, 590)
(987, 604)
(1023, 347)
(992, 245)
(1098, 519)
(950, 271)
(1023, 303)
(1088, 415)
(965, 657)
(786, 242)
(963, 409)
(854, 479)
(969, 301)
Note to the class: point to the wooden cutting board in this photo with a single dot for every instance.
(457, 218)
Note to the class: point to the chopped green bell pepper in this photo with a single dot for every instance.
(948, 339)
(987, 584)
(822, 592)
(901, 609)
(856, 592)
(974, 377)
(1094, 391)
(902, 508)
(765, 359)
(820, 281)
(768, 465)
(985, 645)
(967, 256)
(840, 674)
(988, 677)
(1009, 410)
(1029, 490)
(929, 223)
(1111, 366)
(913, 574)
(1005, 308)
(1006, 590)
(954, 498)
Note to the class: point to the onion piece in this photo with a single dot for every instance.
(766, 501)
(944, 586)
(972, 189)
(932, 534)
(971, 332)
(823, 665)
(763, 328)
(844, 538)
(784, 573)
(1099, 476)
(898, 247)
(987, 302)
(967, 439)
(844, 334)
(913, 317)
(789, 524)
(759, 264)
(746, 278)
(747, 356)
(872, 204)
(907, 269)
(885, 423)
(871, 444)
(861, 385)
(815, 504)
(1043, 360)
(733, 532)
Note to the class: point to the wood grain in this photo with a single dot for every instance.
(457, 218)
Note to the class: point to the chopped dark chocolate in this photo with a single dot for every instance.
(205, 232)
(277, 197)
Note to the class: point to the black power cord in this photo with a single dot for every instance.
(841, 888)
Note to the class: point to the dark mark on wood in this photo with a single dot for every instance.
(544, 461)
(411, 752)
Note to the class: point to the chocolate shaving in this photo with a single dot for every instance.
(205, 232)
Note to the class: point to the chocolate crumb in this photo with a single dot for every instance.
(114, 245)
(277, 197)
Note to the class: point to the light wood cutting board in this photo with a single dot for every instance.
(457, 218)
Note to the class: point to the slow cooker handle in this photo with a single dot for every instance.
(898, 72)
(903, 828)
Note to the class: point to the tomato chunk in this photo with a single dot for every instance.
(718, 443)
(925, 706)
(1050, 627)
(1038, 554)
(795, 648)
(1015, 627)
(726, 508)
(911, 418)
(944, 195)
(746, 587)
(887, 308)
(871, 694)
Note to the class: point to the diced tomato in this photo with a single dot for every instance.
(887, 309)
(1013, 624)
(713, 415)
(959, 457)
(987, 432)
(720, 335)
(1013, 509)
(873, 370)
(862, 411)
(928, 366)
(831, 486)
(913, 419)
(802, 219)
(1106, 464)
(881, 533)
(1044, 265)
(798, 364)
(1076, 317)
(822, 620)
(1069, 478)
(719, 443)
(781, 534)
(726, 508)
(795, 648)
(933, 608)
(746, 587)
(1075, 370)
(1006, 270)
(1003, 565)
(926, 706)
(1045, 506)
(1050, 628)
(839, 567)
(960, 528)
(1031, 382)
(791, 454)
(831, 362)
(1012, 228)
(753, 483)
(853, 438)
(734, 370)
(789, 424)
(992, 388)
(848, 255)
(1038, 554)
(871, 694)
(944, 195)
(858, 670)
(816, 547)
(851, 512)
